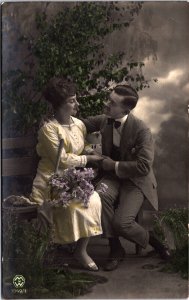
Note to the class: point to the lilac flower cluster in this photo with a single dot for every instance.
(73, 184)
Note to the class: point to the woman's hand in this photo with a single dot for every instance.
(95, 157)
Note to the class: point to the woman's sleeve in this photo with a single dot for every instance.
(50, 139)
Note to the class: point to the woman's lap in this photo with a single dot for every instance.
(76, 221)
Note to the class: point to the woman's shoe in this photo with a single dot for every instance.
(87, 266)
(90, 267)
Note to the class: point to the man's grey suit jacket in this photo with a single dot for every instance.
(136, 149)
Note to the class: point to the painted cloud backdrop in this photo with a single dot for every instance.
(164, 105)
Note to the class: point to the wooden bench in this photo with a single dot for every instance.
(19, 162)
(19, 165)
(24, 163)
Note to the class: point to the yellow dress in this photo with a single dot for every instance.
(75, 221)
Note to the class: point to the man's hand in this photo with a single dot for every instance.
(94, 158)
(108, 164)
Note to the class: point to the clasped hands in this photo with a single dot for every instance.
(107, 163)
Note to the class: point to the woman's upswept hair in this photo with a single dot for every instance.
(57, 90)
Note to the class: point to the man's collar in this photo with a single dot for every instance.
(123, 119)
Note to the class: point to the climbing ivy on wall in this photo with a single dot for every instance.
(72, 44)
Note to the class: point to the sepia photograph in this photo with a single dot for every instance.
(95, 149)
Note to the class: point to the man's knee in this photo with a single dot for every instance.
(112, 191)
(109, 198)
(123, 224)
(105, 197)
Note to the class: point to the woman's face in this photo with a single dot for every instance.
(70, 107)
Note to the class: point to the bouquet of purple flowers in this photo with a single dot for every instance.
(73, 184)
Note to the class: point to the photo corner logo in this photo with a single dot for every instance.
(19, 282)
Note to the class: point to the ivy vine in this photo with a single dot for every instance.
(71, 44)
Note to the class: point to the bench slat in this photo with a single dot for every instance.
(22, 142)
(18, 166)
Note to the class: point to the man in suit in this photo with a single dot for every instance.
(128, 149)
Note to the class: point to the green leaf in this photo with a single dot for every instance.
(71, 44)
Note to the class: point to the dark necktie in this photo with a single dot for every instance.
(114, 122)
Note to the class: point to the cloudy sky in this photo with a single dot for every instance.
(164, 105)
(167, 23)
(159, 37)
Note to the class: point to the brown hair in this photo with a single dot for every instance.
(130, 95)
(58, 89)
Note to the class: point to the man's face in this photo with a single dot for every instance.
(114, 106)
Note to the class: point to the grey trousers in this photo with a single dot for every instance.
(120, 206)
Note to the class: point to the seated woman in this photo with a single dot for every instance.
(73, 223)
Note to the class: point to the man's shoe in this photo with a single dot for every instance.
(114, 259)
(162, 250)
(111, 265)
(165, 254)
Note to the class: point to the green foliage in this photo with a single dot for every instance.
(23, 253)
(178, 263)
(23, 249)
(71, 44)
(177, 222)
(66, 284)
(20, 112)
(92, 105)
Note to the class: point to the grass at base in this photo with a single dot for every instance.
(58, 284)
